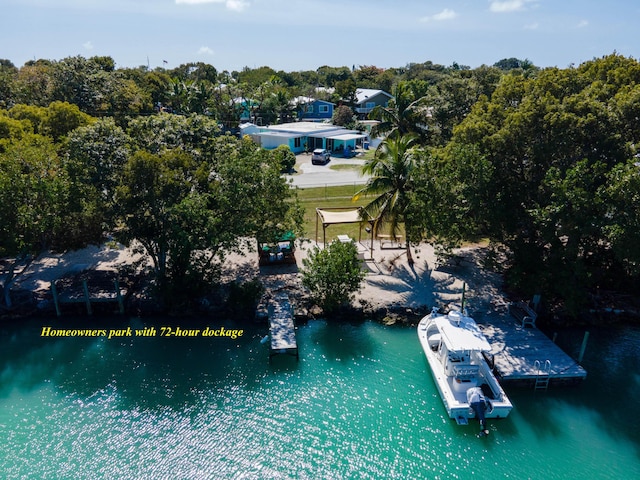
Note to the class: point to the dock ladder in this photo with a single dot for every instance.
(543, 374)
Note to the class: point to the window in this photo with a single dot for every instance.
(323, 108)
(296, 142)
(370, 104)
(309, 109)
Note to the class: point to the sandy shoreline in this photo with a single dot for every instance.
(390, 282)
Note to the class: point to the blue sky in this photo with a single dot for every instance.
(295, 35)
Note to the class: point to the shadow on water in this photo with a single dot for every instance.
(612, 363)
(341, 340)
(147, 372)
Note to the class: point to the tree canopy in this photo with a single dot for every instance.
(542, 162)
(557, 147)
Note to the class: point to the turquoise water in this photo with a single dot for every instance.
(360, 403)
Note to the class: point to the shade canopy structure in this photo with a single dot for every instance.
(282, 250)
(333, 216)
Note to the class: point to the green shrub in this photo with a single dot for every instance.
(285, 157)
(333, 275)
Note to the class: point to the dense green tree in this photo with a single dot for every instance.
(343, 115)
(188, 217)
(333, 275)
(192, 134)
(553, 140)
(449, 195)
(283, 155)
(12, 130)
(61, 118)
(195, 71)
(97, 154)
(254, 77)
(366, 76)
(157, 85)
(620, 194)
(427, 71)
(34, 84)
(514, 64)
(56, 120)
(345, 91)
(152, 186)
(329, 76)
(39, 209)
(79, 81)
(8, 75)
(33, 114)
(449, 102)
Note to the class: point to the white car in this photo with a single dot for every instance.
(320, 156)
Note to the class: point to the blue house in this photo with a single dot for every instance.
(301, 136)
(244, 108)
(311, 110)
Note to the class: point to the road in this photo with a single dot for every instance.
(323, 175)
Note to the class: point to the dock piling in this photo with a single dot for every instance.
(583, 347)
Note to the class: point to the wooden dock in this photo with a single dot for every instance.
(88, 287)
(523, 355)
(281, 327)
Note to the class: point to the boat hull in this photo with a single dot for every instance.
(453, 381)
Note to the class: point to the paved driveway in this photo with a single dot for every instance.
(323, 175)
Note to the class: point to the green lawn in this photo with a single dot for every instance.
(341, 196)
(330, 197)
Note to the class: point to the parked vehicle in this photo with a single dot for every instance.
(320, 156)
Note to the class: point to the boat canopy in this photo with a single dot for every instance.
(460, 333)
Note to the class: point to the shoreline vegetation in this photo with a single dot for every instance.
(393, 292)
(540, 162)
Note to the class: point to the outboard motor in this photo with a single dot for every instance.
(478, 403)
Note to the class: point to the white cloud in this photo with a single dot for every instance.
(236, 5)
(88, 45)
(532, 26)
(446, 14)
(508, 5)
(205, 51)
(583, 23)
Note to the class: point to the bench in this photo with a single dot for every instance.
(522, 312)
(393, 242)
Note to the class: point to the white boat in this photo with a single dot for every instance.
(455, 349)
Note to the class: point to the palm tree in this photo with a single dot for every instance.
(405, 113)
(390, 173)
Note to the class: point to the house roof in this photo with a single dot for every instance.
(309, 129)
(348, 136)
(305, 128)
(364, 94)
(302, 100)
